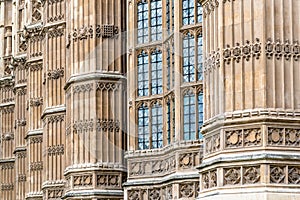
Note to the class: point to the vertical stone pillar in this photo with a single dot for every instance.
(95, 99)
(252, 110)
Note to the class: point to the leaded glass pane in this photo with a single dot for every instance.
(200, 57)
(143, 74)
(143, 129)
(142, 23)
(156, 73)
(189, 112)
(200, 113)
(188, 12)
(156, 20)
(200, 13)
(188, 58)
(157, 126)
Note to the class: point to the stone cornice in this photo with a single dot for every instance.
(94, 76)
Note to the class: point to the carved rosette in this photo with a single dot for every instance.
(277, 174)
(212, 144)
(243, 138)
(232, 176)
(294, 175)
(188, 189)
(251, 175)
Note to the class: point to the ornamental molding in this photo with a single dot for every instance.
(83, 181)
(7, 186)
(109, 181)
(83, 88)
(21, 178)
(108, 86)
(7, 166)
(36, 166)
(212, 61)
(8, 137)
(279, 49)
(55, 118)
(35, 140)
(8, 109)
(56, 74)
(56, 150)
(93, 31)
(281, 136)
(242, 51)
(151, 193)
(243, 138)
(210, 6)
(36, 102)
(209, 179)
(21, 122)
(189, 189)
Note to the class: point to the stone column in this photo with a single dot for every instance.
(252, 95)
(95, 98)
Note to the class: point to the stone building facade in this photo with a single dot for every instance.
(149, 99)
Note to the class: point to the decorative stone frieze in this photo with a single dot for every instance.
(109, 181)
(21, 154)
(21, 122)
(243, 138)
(152, 167)
(56, 193)
(100, 31)
(251, 175)
(242, 51)
(21, 178)
(36, 166)
(8, 109)
(5, 166)
(212, 61)
(56, 74)
(35, 140)
(83, 88)
(7, 137)
(232, 176)
(289, 137)
(83, 126)
(107, 86)
(36, 10)
(279, 49)
(209, 179)
(108, 125)
(189, 160)
(83, 180)
(151, 193)
(294, 175)
(56, 150)
(56, 18)
(188, 189)
(212, 143)
(36, 102)
(36, 67)
(277, 174)
(7, 186)
(55, 118)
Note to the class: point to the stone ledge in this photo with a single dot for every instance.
(91, 193)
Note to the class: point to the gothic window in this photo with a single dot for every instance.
(168, 14)
(189, 117)
(143, 74)
(157, 126)
(188, 58)
(191, 9)
(156, 73)
(142, 23)
(200, 113)
(143, 128)
(156, 20)
(200, 57)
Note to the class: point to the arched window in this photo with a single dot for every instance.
(188, 58)
(156, 73)
(156, 20)
(189, 117)
(143, 74)
(143, 22)
(157, 126)
(143, 128)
